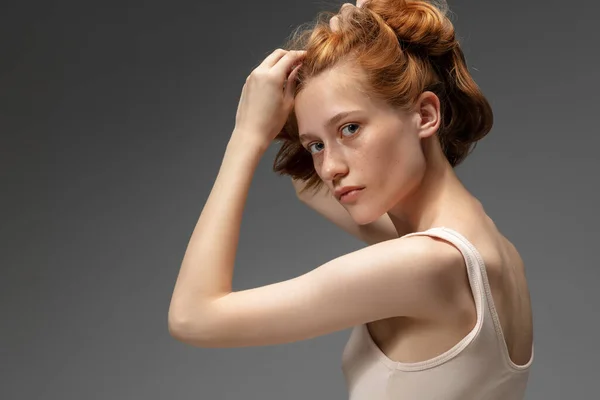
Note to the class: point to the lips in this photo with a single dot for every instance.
(348, 192)
(344, 190)
(350, 195)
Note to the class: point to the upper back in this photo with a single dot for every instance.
(506, 275)
(483, 351)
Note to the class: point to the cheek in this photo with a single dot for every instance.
(389, 170)
(386, 160)
(400, 168)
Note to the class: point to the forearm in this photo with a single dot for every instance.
(206, 271)
(327, 206)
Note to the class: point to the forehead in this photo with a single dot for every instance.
(335, 90)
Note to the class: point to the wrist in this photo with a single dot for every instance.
(248, 142)
(245, 149)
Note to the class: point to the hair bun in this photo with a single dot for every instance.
(405, 47)
(421, 25)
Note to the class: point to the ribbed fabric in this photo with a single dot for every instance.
(478, 367)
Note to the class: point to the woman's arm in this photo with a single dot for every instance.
(327, 206)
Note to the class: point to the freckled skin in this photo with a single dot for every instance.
(384, 154)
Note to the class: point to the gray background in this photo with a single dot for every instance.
(114, 117)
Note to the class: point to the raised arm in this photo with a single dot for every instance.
(327, 206)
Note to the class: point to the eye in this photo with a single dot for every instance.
(353, 128)
(312, 144)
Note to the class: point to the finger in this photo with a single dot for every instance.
(273, 58)
(345, 6)
(291, 83)
(286, 64)
(334, 23)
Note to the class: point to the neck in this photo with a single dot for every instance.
(440, 194)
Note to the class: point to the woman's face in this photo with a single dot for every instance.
(359, 141)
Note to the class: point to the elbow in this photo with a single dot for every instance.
(182, 333)
(183, 330)
(178, 325)
(176, 328)
(175, 320)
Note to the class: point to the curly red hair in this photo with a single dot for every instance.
(404, 48)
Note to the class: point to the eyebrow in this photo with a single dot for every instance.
(331, 121)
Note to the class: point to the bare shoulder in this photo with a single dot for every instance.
(428, 256)
(405, 276)
(431, 265)
(446, 271)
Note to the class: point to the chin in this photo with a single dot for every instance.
(363, 216)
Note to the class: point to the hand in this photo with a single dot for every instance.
(334, 21)
(268, 97)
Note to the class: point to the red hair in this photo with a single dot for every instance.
(404, 48)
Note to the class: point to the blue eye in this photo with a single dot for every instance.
(352, 132)
(309, 146)
(351, 125)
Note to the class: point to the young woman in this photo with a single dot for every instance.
(373, 113)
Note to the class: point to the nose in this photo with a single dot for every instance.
(333, 166)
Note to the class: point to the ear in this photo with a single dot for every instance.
(428, 110)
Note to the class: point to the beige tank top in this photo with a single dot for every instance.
(478, 367)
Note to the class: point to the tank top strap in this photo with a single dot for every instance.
(479, 283)
(473, 262)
